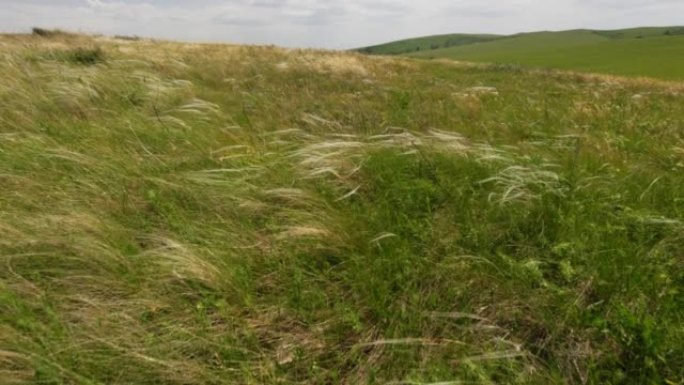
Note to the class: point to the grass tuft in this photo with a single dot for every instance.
(85, 56)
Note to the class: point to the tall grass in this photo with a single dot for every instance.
(210, 214)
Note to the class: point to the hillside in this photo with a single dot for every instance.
(654, 52)
(428, 43)
(215, 214)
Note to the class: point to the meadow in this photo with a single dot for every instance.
(427, 43)
(653, 52)
(176, 213)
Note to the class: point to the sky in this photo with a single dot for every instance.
(335, 24)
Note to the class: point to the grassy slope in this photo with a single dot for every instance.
(612, 52)
(437, 42)
(205, 214)
(426, 43)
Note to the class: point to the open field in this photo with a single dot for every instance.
(652, 52)
(428, 43)
(214, 214)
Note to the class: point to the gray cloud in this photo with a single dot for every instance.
(235, 20)
(329, 23)
(632, 4)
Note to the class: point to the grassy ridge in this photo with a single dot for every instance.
(438, 42)
(427, 43)
(655, 52)
(208, 214)
(656, 55)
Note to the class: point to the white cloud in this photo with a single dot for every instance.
(128, 11)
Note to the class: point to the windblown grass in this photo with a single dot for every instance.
(210, 214)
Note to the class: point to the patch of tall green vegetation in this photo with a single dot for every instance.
(43, 32)
(83, 56)
(128, 37)
(178, 216)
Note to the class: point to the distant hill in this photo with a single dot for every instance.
(650, 51)
(428, 43)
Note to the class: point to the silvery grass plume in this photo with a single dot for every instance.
(342, 155)
(524, 184)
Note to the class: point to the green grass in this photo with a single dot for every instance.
(427, 43)
(651, 52)
(655, 56)
(211, 214)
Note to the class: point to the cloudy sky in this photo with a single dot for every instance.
(329, 23)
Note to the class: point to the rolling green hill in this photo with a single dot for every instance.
(191, 214)
(655, 52)
(427, 43)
